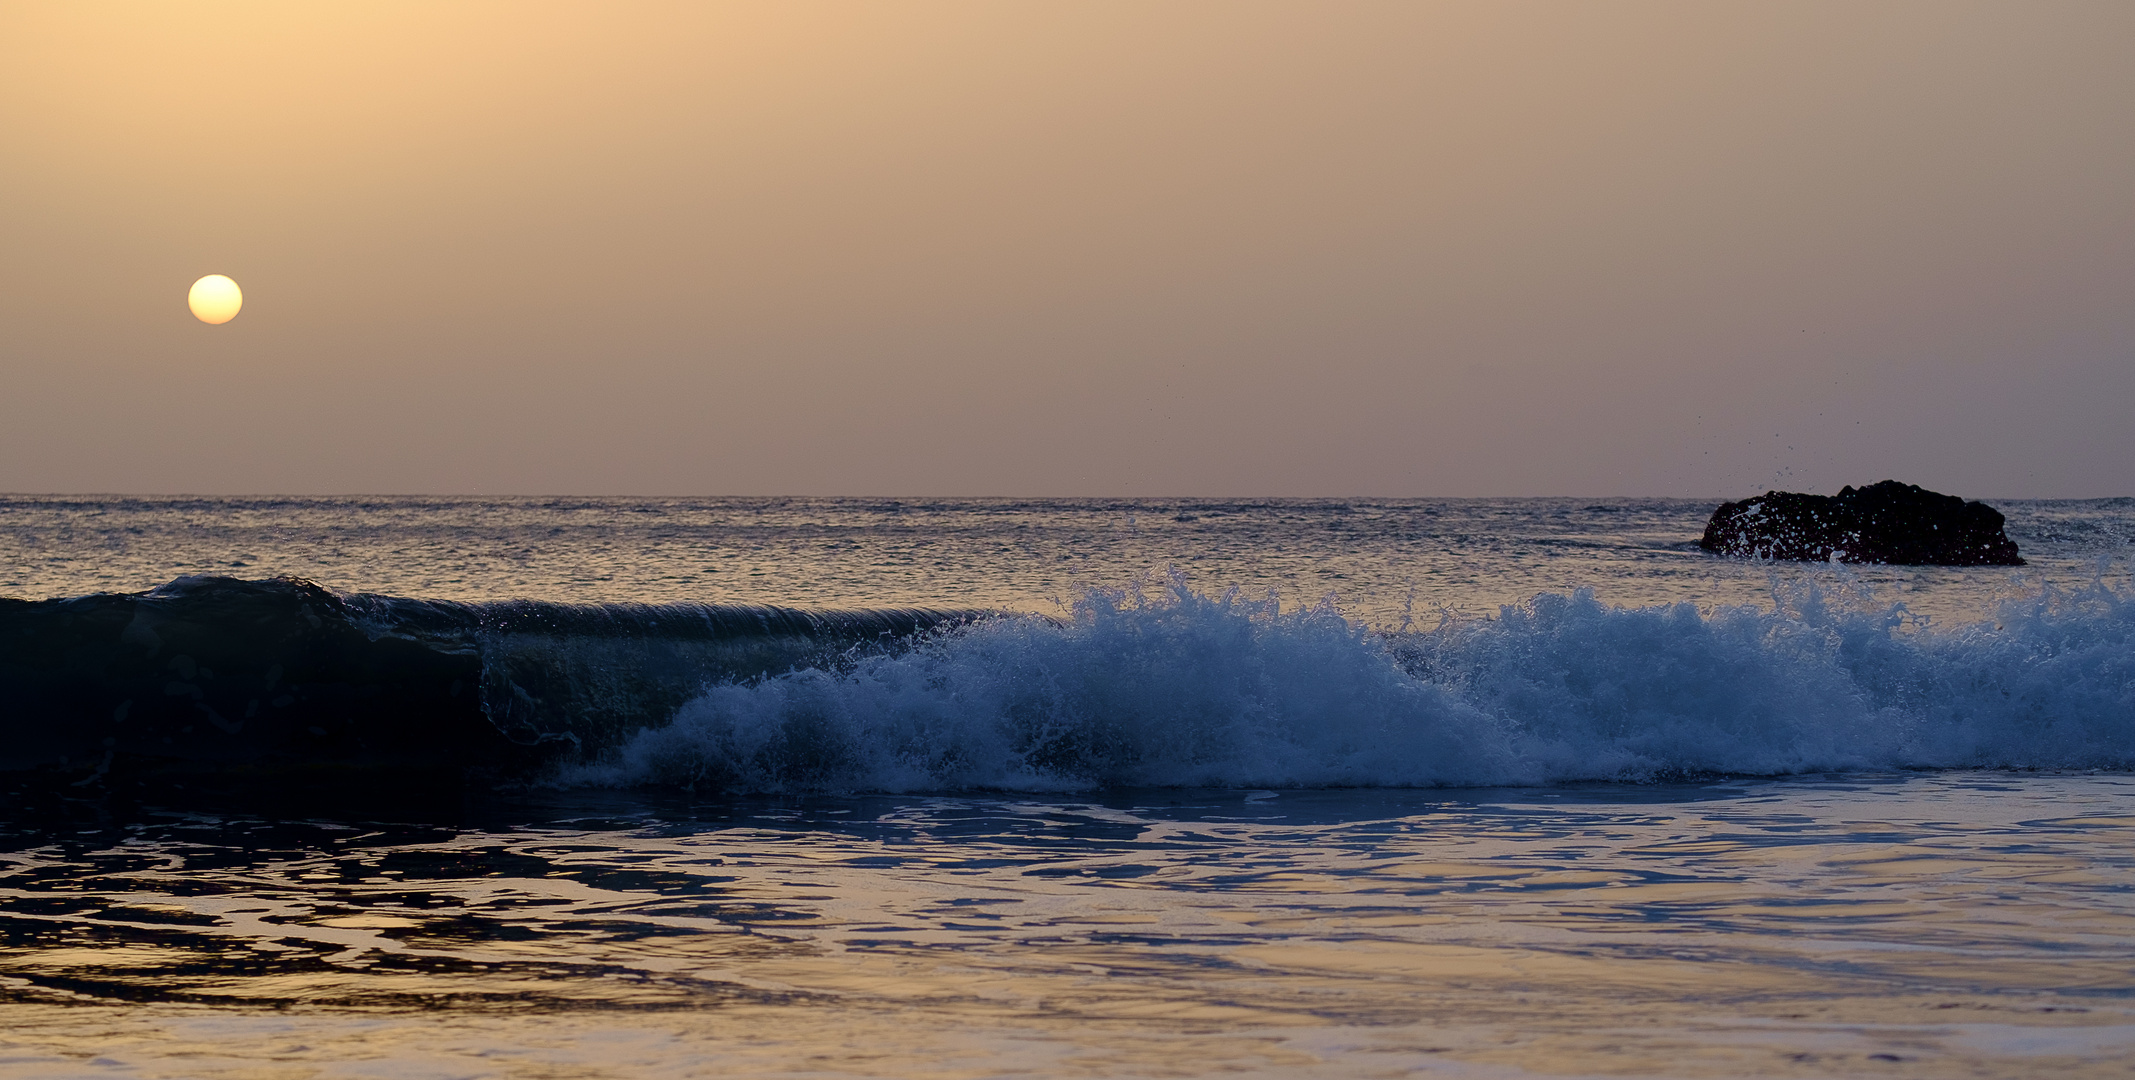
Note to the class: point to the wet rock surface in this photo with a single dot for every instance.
(1889, 522)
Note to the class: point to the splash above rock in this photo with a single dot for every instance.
(1888, 522)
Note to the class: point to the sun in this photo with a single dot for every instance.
(215, 299)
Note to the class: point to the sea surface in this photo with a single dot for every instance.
(1182, 788)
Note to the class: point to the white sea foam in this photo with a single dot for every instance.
(1181, 688)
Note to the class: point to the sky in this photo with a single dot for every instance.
(1226, 248)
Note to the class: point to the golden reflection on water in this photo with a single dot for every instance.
(1922, 926)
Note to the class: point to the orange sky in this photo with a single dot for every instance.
(1075, 248)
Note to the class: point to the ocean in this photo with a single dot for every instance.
(514, 787)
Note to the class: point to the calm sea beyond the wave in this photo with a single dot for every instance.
(562, 788)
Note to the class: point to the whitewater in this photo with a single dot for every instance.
(1176, 687)
(480, 787)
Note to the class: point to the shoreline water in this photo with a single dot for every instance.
(1169, 828)
(1815, 926)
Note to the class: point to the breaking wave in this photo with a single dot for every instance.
(1180, 688)
(219, 677)
(1165, 687)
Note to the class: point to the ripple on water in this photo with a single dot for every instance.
(1901, 923)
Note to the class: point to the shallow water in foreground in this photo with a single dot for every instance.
(1876, 922)
(1975, 924)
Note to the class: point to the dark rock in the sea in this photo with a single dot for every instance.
(1888, 522)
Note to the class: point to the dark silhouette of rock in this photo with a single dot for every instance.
(1888, 522)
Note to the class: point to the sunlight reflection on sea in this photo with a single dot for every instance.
(1894, 925)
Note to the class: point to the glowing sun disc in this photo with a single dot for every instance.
(215, 299)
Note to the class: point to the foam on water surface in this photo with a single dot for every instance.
(1162, 686)
(1176, 687)
(829, 842)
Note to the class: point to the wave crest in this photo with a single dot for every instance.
(1181, 688)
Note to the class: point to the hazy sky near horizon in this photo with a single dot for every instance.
(1146, 248)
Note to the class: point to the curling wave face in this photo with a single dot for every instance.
(1180, 688)
(211, 678)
